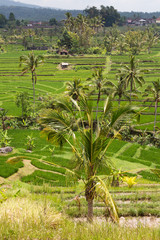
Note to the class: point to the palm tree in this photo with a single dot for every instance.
(132, 75)
(121, 44)
(69, 22)
(135, 41)
(97, 81)
(120, 90)
(155, 90)
(152, 38)
(65, 125)
(100, 82)
(75, 89)
(30, 62)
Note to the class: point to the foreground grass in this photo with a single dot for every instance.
(27, 218)
(39, 213)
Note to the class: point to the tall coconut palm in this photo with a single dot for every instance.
(132, 74)
(135, 41)
(29, 63)
(121, 44)
(69, 22)
(75, 89)
(120, 90)
(155, 91)
(99, 81)
(151, 38)
(65, 125)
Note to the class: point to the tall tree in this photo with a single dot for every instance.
(151, 38)
(69, 22)
(111, 37)
(88, 146)
(100, 83)
(120, 44)
(92, 12)
(11, 17)
(75, 89)
(53, 22)
(3, 20)
(135, 41)
(109, 15)
(30, 63)
(155, 91)
(132, 74)
(120, 90)
(81, 27)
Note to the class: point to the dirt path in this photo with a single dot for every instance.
(24, 171)
(131, 222)
(1, 180)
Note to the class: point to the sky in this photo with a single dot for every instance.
(120, 5)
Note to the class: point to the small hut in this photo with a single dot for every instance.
(64, 65)
(63, 52)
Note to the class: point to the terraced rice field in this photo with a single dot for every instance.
(52, 80)
(35, 167)
(135, 159)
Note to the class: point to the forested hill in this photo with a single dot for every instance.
(37, 14)
(9, 3)
(140, 14)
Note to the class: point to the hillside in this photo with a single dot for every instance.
(12, 3)
(32, 12)
(36, 14)
(140, 14)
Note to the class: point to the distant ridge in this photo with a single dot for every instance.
(36, 13)
(140, 14)
(11, 3)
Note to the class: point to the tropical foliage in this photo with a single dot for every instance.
(155, 91)
(29, 63)
(88, 140)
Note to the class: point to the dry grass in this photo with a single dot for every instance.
(33, 217)
(23, 218)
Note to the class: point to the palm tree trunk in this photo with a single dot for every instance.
(155, 115)
(90, 210)
(119, 101)
(99, 96)
(33, 83)
(3, 124)
(89, 194)
(131, 88)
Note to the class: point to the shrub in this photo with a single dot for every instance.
(4, 138)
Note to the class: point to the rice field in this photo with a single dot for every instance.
(46, 165)
(52, 80)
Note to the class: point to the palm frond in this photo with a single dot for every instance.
(104, 194)
(118, 114)
(107, 105)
